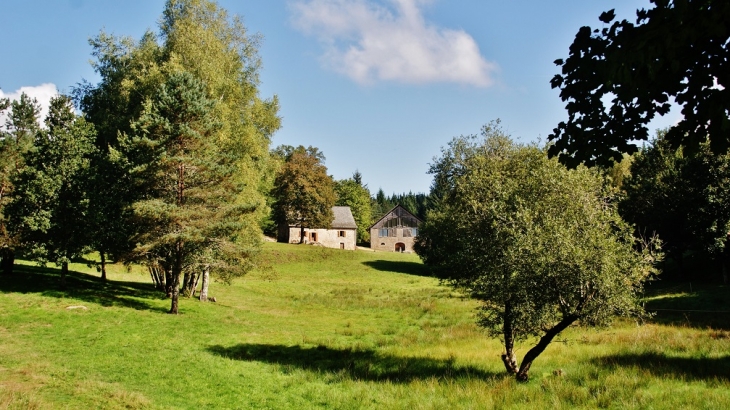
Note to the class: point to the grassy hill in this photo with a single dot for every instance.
(335, 329)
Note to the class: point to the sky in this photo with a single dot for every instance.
(380, 86)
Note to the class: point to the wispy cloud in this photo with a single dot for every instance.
(42, 93)
(369, 42)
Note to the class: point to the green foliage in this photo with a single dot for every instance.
(539, 245)
(303, 191)
(188, 97)
(49, 208)
(682, 196)
(353, 194)
(676, 50)
(16, 138)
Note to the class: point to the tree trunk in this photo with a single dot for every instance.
(186, 284)
(103, 265)
(532, 354)
(192, 284)
(175, 295)
(176, 272)
(195, 283)
(153, 275)
(204, 285)
(64, 272)
(168, 283)
(508, 358)
(725, 257)
(8, 260)
(301, 234)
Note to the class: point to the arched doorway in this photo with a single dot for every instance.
(400, 247)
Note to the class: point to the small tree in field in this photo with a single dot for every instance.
(542, 247)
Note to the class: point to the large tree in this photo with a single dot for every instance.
(50, 205)
(199, 38)
(304, 194)
(678, 50)
(189, 181)
(542, 247)
(684, 197)
(16, 138)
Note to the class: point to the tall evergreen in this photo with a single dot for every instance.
(50, 206)
(17, 134)
(201, 57)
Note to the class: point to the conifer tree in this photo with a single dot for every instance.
(19, 130)
(200, 42)
(49, 208)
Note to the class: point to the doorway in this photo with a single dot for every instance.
(400, 247)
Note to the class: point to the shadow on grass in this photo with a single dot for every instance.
(696, 305)
(410, 268)
(364, 365)
(46, 281)
(661, 365)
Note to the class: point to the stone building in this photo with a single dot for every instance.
(395, 231)
(342, 234)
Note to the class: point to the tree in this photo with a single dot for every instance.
(189, 182)
(129, 73)
(676, 50)
(49, 208)
(21, 126)
(683, 197)
(352, 193)
(199, 38)
(380, 205)
(303, 191)
(540, 246)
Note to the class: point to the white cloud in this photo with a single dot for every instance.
(369, 42)
(42, 93)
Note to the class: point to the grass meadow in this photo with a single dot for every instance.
(336, 329)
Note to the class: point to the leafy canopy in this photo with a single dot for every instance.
(303, 191)
(539, 245)
(678, 49)
(683, 197)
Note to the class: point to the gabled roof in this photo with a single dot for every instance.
(343, 218)
(399, 213)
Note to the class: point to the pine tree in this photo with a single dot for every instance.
(20, 128)
(49, 208)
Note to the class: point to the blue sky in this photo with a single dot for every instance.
(378, 85)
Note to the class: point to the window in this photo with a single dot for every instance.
(407, 232)
(341, 234)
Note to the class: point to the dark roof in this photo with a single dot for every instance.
(343, 218)
(403, 209)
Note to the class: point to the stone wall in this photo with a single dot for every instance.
(388, 243)
(330, 238)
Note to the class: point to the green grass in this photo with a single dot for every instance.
(333, 329)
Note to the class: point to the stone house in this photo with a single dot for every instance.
(395, 231)
(342, 233)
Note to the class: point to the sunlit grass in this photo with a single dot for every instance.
(327, 329)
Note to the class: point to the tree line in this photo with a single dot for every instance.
(303, 195)
(166, 166)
